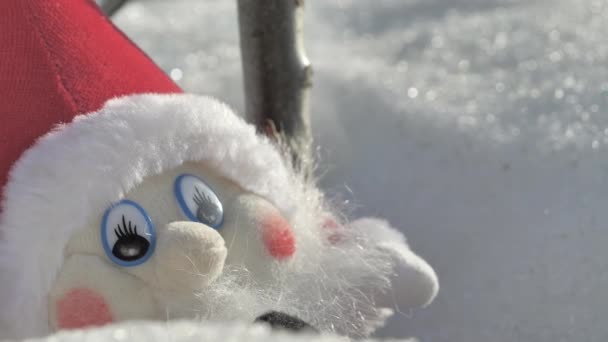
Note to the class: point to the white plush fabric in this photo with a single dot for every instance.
(88, 164)
(414, 282)
(187, 331)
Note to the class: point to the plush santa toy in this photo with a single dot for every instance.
(125, 199)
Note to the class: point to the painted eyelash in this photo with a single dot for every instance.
(126, 229)
(200, 198)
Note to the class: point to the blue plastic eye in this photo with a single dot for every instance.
(127, 234)
(198, 201)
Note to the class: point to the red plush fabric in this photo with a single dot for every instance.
(60, 58)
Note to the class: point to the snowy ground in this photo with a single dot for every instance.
(478, 126)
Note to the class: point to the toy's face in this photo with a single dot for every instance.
(189, 243)
(168, 249)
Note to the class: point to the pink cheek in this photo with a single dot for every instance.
(80, 308)
(334, 230)
(278, 237)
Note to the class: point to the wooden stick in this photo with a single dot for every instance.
(109, 7)
(277, 74)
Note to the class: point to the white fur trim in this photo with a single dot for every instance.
(178, 331)
(80, 168)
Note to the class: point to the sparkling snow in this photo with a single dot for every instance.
(478, 126)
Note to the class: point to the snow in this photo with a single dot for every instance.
(478, 126)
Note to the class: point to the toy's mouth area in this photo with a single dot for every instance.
(282, 321)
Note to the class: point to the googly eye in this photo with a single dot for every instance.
(198, 201)
(127, 234)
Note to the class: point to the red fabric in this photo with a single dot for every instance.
(60, 58)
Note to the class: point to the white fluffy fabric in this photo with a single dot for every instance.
(72, 172)
(188, 331)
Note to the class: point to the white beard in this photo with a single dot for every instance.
(330, 298)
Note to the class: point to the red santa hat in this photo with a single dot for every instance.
(85, 117)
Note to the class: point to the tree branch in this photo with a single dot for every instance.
(109, 7)
(277, 74)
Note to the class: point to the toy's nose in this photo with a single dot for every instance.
(189, 256)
